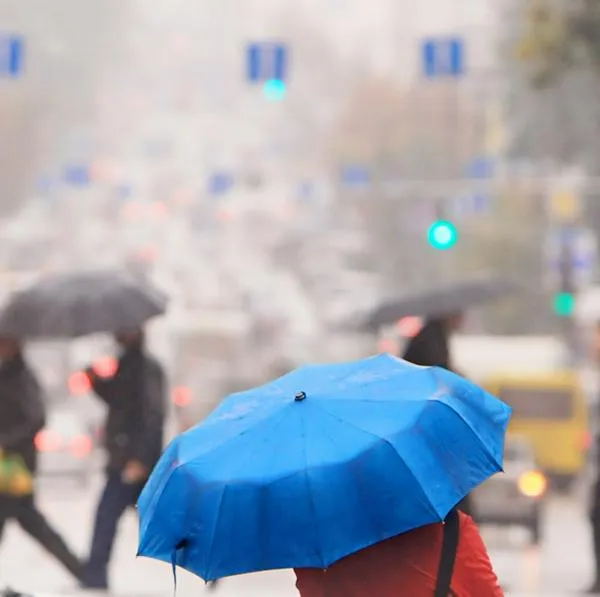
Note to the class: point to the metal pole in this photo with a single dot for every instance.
(567, 287)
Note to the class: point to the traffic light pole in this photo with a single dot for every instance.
(567, 295)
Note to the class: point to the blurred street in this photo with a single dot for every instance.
(560, 568)
(240, 188)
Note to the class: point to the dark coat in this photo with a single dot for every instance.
(22, 411)
(136, 402)
(431, 348)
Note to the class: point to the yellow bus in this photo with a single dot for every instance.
(550, 409)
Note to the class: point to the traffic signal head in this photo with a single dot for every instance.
(564, 304)
(274, 90)
(442, 235)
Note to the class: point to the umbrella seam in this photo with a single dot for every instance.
(475, 433)
(313, 506)
(269, 418)
(388, 442)
(214, 531)
(435, 373)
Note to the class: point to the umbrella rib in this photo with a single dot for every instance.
(313, 506)
(214, 529)
(474, 431)
(267, 419)
(435, 373)
(389, 443)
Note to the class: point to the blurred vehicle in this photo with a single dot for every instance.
(66, 446)
(209, 350)
(551, 411)
(516, 496)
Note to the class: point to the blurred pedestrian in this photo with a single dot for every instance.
(438, 559)
(595, 522)
(135, 397)
(22, 416)
(595, 498)
(431, 348)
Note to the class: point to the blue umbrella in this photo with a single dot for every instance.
(319, 464)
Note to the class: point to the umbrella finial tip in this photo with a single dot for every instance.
(300, 396)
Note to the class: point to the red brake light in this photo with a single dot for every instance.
(81, 446)
(105, 366)
(48, 441)
(586, 441)
(79, 383)
(182, 396)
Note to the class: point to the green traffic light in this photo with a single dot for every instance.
(274, 90)
(442, 235)
(564, 304)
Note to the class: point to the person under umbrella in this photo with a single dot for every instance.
(440, 559)
(135, 397)
(76, 304)
(22, 416)
(431, 348)
(326, 462)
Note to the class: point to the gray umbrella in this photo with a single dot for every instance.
(441, 301)
(78, 304)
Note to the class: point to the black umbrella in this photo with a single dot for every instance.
(78, 304)
(440, 301)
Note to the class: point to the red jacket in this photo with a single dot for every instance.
(406, 566)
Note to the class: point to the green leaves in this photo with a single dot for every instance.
(557, 37)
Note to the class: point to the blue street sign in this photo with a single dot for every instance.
(124, 192)
(481, 168)
(266, 61)
(355, 176)
(470, 204)
(12, 55)
(46, 185)
(481, 202)
(443, 57)
(306, 191)
(219, 183)
(77, 176)
(582, 247)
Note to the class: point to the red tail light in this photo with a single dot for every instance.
(586, 441)
(79, 383)
(81, 446)
(105, 366)
(182, 396)
(48, 441)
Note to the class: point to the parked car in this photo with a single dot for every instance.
(515, 497)
(66, 446)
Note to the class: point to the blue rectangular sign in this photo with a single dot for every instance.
(12, 54)
(266, 61)
(219, 183)
(77, 176)
(355, 176)
(443, 57)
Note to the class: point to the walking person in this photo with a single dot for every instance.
(594, 589)
(22, 416)
(135, 397)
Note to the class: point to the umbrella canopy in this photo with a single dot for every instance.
(441, 301)
(319, 464)
(77, 304)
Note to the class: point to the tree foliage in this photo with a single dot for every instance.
(558, 36)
